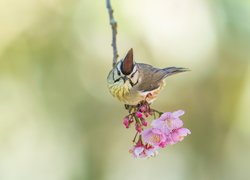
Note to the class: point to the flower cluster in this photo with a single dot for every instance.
(165, 130)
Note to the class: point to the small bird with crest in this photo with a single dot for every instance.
(133, 83)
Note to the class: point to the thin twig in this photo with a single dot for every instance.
(113, 25)
(155, 111)
(135, 137)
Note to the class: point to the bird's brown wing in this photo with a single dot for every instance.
(151, 77)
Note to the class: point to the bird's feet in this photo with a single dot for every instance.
(130, 108)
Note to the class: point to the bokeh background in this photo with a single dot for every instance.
(58, 120)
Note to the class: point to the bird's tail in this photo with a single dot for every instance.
(174, 70)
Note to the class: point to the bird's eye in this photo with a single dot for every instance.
(119, 73)
(132, 75)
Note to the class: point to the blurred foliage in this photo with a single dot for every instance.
(58, 120)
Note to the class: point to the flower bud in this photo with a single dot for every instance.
(144, 123)
(143, 108)
(126, 122)
(138, 114)
(138, 128)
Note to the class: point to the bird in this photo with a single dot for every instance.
(133, 83)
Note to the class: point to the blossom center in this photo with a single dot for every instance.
(155, 138)
(169, 123)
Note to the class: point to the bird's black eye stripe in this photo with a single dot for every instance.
(132, 75)
(133, 84)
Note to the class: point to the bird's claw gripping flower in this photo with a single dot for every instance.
(167, 129)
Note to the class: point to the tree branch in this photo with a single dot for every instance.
(113, 25)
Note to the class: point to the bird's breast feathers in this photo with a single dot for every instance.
(130, 95)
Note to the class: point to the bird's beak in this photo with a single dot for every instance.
(124, 78)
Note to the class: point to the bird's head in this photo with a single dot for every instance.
(125, 73)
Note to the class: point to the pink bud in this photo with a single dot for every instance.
(126, 122)
(144, 123)
(143, 108)
(131, 121)
(138, 128)
(139, 143)
(139, 114)
(151, 113)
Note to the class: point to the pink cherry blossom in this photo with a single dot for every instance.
(137, 152)
(143, 152)
(167, 129)
(168, 121)
(150, 151)
(177, 135)
(154, 137)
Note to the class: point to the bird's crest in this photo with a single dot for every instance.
(128, 63)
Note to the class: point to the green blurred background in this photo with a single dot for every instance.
(58, 120)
